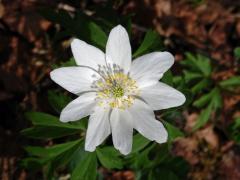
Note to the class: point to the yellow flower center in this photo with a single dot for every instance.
(116, 90)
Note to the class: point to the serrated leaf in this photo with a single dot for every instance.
(198, 63)
(109, 157)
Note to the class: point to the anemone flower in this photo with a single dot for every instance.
(119, 94)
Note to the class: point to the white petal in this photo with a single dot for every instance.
(145, 122)
(79, 108)
(118, 48)
(148, 69)
(161, 96)
(87, 55)
(122, 130)
(98, 128)
(74, 79)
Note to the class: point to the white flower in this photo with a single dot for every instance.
(118, 94)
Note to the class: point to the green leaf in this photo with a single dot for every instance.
(139, 142)
(53, 151)
(58, 100)
(231, 82)
(48, 126)
(237, 52)
(86, 168)
(97, 35)
(142, 160)
(203, 84)
(234, 130)
(44, 132)
(150, 42)
(109, 158)
(54, 156)
(198, 63)
(204, 65)
(172, 166)
(164, 173)
(216, 98)
(189, 96)
(173, 132)
(33, 163)
(81, 26)
(43, 119)
(203, 117)
(69, 63)
(87, 30)
(167, 78)
(203, 100)
(189, 76)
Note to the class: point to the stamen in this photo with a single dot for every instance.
(116, 89)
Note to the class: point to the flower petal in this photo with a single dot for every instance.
(86, 54)
(98, 128)
(122, 130)
(145, 122)
(118, 48)
(161, 96)
(79, 108)
(149, 68)
(74, 79)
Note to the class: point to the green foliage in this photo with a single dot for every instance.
(237, 52)
(110, 158)
(79, 26)
(230, 83)
(51, 157)
(198, 75)
(86, 168)
(234, 130)
(151, 42)
(139, 142)
(147, 159)
(49, 126)
(58, 100)
(173, 132)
